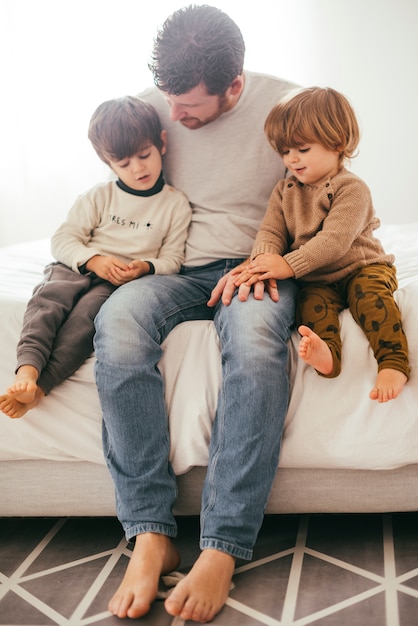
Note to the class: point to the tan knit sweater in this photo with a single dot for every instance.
(323, 232)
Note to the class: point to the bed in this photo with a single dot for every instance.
(341, 451)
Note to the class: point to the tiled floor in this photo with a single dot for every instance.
(325, 570)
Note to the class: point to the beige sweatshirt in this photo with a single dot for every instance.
(323, 232)
(109, 221)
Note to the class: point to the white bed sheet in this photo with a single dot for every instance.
(331, 423)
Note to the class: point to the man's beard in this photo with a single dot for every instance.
(194, 122)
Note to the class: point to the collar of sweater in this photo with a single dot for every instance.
(146, 193)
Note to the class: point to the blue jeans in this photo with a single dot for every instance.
(253, 400)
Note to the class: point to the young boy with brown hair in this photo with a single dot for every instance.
(319, 229)
(117, 232)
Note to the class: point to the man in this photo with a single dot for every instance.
(218, 155)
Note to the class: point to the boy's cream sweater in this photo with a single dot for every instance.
(109, 221)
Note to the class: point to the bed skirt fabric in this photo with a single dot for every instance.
(83, 489)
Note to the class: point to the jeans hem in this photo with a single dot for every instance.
(229, 548)
(151, 527)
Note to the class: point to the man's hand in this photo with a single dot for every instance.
(115, 271)
(227, 286)
(265, 267)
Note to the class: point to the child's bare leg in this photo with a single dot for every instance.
(152, 556)
(203, 592)
(315, 351)
(389, 384)
(25, 384)
(12, 407)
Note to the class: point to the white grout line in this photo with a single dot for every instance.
(408, 591)
(345, 565)
(391, 595)
(93, 619)
(289, 605)
(408, 575)
(250, 612)
(67, 565)
(11, 582)
(99, 582)
(38, 549)
(41, 606)
(340, 606)
(267, 559)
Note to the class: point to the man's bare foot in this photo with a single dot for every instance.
(389, 384)
(204, 591)
(13, 408)
(152, 556)
(315, 351)
(25, 385)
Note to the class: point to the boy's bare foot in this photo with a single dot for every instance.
(10, 406)
(315, 351)
(25, 385)
(204, 591)
(152, 556)
(389, 384)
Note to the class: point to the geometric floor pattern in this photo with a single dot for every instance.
(321, 570)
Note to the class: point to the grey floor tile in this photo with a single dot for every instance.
(356, 539)
(324, 584)
(405, 536)
(408, 610)
(325, 570)
(369, 612)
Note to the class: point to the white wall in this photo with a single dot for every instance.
(61, 59)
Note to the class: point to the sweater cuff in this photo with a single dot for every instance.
(83, 268)
(263, 248)
(298, 264)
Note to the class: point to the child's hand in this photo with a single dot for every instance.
(136, 269)
(106, 267)
(265, 267)
(115, 271)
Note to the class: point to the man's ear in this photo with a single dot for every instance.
(237, 85)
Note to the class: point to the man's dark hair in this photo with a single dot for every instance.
(197, 44)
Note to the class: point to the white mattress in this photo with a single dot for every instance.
(331, 423)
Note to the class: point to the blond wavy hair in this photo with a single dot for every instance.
(314, 115)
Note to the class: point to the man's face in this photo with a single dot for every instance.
(196, 108)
